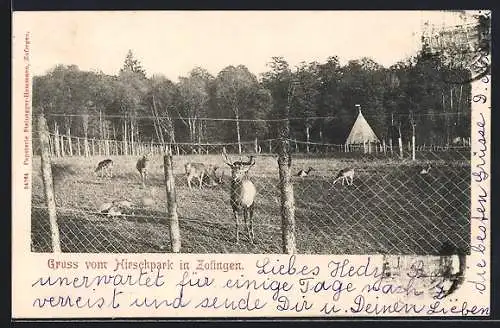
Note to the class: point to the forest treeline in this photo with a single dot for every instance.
(237, 105)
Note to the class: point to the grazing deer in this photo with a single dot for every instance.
(142, 167)
(242, 194)
(200, 171)
(305, 173)
(105, 166)
(345, 175)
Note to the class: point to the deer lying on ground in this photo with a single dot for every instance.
(142, 167)
(242, 194)
(305, 173)
(105, 166)
(345, 175)
(200, 171)
(426, 171)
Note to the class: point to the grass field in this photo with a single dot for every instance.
(390, 208)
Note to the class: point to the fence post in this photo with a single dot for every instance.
(43, 132)
(287, 199)
(413, 142)
(400, 143)
(78, 146)
(86, 147)
(173, 219)
(61, 140)
(106, 144)
(57, 145)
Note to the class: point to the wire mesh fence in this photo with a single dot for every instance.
(389, 204)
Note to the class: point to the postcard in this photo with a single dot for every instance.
(251, 164)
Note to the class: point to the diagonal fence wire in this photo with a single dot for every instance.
(391, 207)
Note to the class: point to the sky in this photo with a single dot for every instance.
(172, 43)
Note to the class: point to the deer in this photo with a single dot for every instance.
(142, 167)
(242, 194)
(200, 170)
(105, 166)
(426, 171)
(345, 175)
(305, 173)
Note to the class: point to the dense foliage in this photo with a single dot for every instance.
(319, 98)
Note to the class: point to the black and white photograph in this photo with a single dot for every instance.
(332, 132)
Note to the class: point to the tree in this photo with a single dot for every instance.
(329, 98)
(131, 89)
(162, 98)
(278, 81)
(132, 65)
(236, 91)
(195, 98)
(306, 97)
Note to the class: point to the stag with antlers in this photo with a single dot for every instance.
(242, 194)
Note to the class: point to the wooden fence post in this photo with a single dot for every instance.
(78, 146)
(43, 132)
(56, 141)
(413, 143)
(173, 220)
(107, 147)
(400, 144)
(287, 198)
(61, 140)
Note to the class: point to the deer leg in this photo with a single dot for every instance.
(251, 234)
(235, 213)
(201, 180)
(189, 181)
(245, 220)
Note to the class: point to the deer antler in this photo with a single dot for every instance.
(225, 159)
(252, 161)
